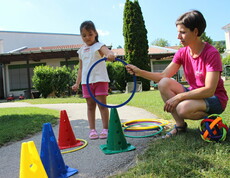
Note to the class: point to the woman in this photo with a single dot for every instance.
(202, 68)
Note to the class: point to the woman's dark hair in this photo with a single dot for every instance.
(89, 25)
(193, 19)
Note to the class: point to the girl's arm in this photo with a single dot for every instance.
(78, 81)
(104, 51)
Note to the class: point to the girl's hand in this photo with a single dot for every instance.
(133, 70)
(75, 87)
(104, 51)
(111, 56)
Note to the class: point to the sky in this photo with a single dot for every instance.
(66, 16)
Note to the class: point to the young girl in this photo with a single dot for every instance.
(89, 53)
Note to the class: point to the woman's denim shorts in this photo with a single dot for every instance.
(213, 105)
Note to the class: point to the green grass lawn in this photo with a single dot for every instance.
(185, 155)
(19, 123)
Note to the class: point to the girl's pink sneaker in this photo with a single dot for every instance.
(103, 134)
(93, 134)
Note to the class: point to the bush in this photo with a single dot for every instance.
(226, 63)
(73, 78)
(42, 79)
(61, 80)
(117, 75)
(46, 80)
(226, 60)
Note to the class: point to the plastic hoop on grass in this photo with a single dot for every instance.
(155, 123)
(78, 148)
(110, 106)
(155, 133)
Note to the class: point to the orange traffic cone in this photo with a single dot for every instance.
(30, 162)
(66, 138)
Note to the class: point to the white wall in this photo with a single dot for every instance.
(226, 28)
(227, 40)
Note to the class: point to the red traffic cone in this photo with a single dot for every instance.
(66, 138)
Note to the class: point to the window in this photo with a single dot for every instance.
(18, 78)
(160, 66)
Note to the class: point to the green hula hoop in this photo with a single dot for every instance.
(161, 128)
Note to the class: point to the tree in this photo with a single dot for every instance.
(160, 42)
(206, 38)
(226, 60)
(135, 37)
(220, 46)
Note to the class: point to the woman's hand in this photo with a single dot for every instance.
(171, 103)
(133, 70)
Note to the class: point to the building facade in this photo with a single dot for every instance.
(226, 28)
(22, 52)
(17, 61)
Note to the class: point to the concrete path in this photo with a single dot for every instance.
(90, 161)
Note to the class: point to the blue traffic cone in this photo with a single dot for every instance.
(51, 156)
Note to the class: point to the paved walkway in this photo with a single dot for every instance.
(90, 161)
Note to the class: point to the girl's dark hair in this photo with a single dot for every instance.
(89, 25)
(193, 19)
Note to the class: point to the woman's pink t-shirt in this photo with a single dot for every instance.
(195, 69)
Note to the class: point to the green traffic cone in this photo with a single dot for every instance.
(116, 141)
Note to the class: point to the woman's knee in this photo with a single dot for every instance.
(165, 84)
(183, 110)
(186, 110)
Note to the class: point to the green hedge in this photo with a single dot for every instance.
(117, 75)
(59, 80)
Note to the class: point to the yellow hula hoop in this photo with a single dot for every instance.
(163, 123)
(78, 148)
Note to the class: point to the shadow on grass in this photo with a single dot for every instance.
(185, 155)
(17, 127)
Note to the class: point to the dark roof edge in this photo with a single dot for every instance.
(38, 51)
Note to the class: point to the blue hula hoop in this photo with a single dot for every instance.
(91, 94)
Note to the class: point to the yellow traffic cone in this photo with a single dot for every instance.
(30, 162)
